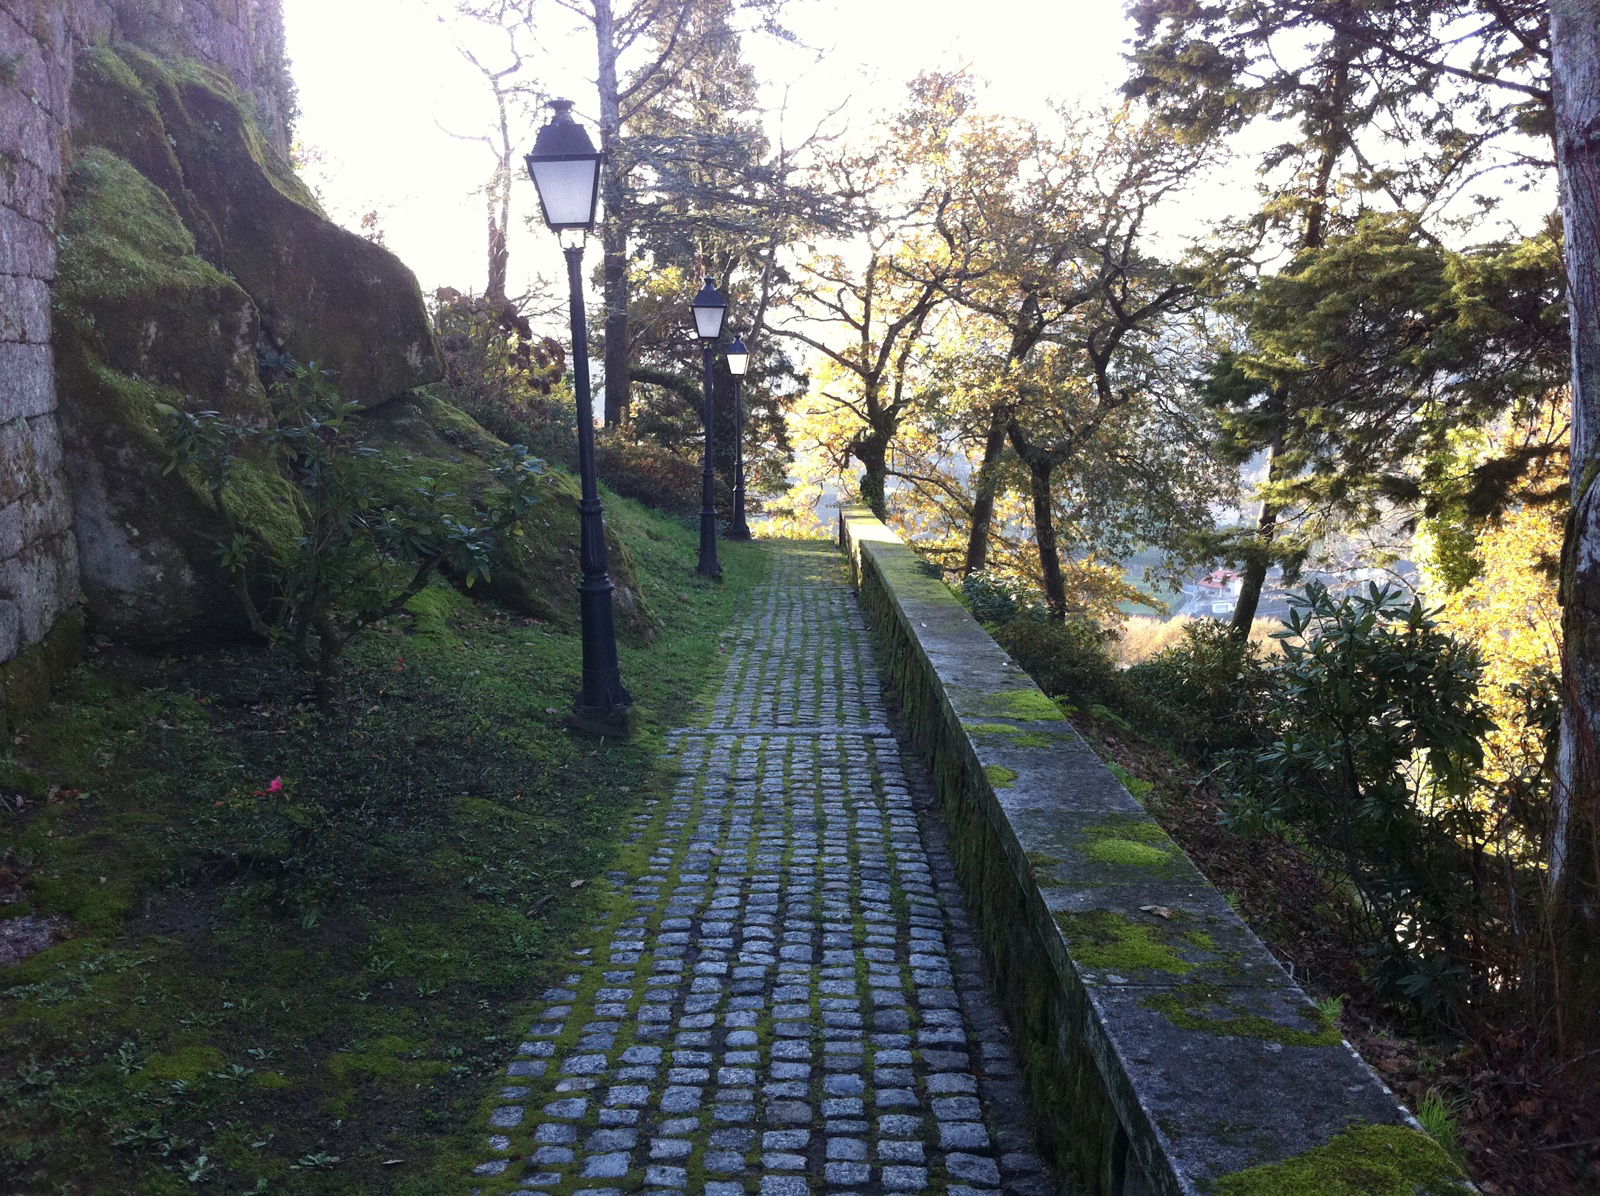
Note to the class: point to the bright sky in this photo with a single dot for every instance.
(380, 80)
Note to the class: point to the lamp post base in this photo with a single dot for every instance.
(599, 723)
(737, 531)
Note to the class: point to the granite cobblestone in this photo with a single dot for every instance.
(788, 997)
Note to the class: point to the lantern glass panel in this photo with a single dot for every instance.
(567, 190)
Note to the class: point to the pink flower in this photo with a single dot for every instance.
(273, 786)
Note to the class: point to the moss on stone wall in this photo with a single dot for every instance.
(1022, 704)
(1020, 736)
(1132, 842)
(1372, 1160)
(1211, 1009)
(189, 246)
(28, 679)
(1085, 1125)
(144, 325)
(1108, 941)
(324, 294)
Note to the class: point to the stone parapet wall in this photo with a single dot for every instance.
(40, 41)
(1165, 1049)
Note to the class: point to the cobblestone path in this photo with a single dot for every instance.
(787, 998)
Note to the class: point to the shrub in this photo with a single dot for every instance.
(996, 598)
(1143, 636)
(649, 473)
(1206, 694)
(493, 362)
(1375, 762)
(1065, 659)
(509, 380)
(372, 537)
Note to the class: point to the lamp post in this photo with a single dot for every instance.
(738, 362)
(565, 168)
(710, 309)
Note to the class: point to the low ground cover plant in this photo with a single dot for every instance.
(295, 940)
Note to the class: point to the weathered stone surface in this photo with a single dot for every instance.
(150, 316)
(792, 881)
(323, 294)
(40, 42)
(24, 309)
(28, 249)
(144, 325)
(42, 581)
(1165, 1047)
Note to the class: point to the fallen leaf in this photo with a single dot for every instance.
(576, 884)
(1159, 911)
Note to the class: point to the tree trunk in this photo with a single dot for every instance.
(1044, 535)
(1575, 845)
(498, 197)
(613, 234)
(1255, 564)
(499, 258)
(873, 453)
(984, 490)
(614, 295)
(1313, 236)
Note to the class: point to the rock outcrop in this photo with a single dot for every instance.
(189, 247)
(189, 250)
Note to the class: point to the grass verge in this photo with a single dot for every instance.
(307, 985)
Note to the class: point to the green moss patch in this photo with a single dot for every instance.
(184, 1066)
(1210, 1009)
(1110, 942)
(1131, 842)
(1019, 736)
(28, 679)
(999, 776)
(1023, 704)
(1125, 853)
(1140, 830)
(1373, 1160)
(1042, 866)
(329, 968)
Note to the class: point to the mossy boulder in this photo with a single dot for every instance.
(144, 325)
(188, 248)
(538, 569)
(322, 293)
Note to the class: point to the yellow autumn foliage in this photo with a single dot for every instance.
(1510, 613)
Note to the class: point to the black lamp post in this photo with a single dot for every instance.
(738, 362)
(566, 171)
(710, 309)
